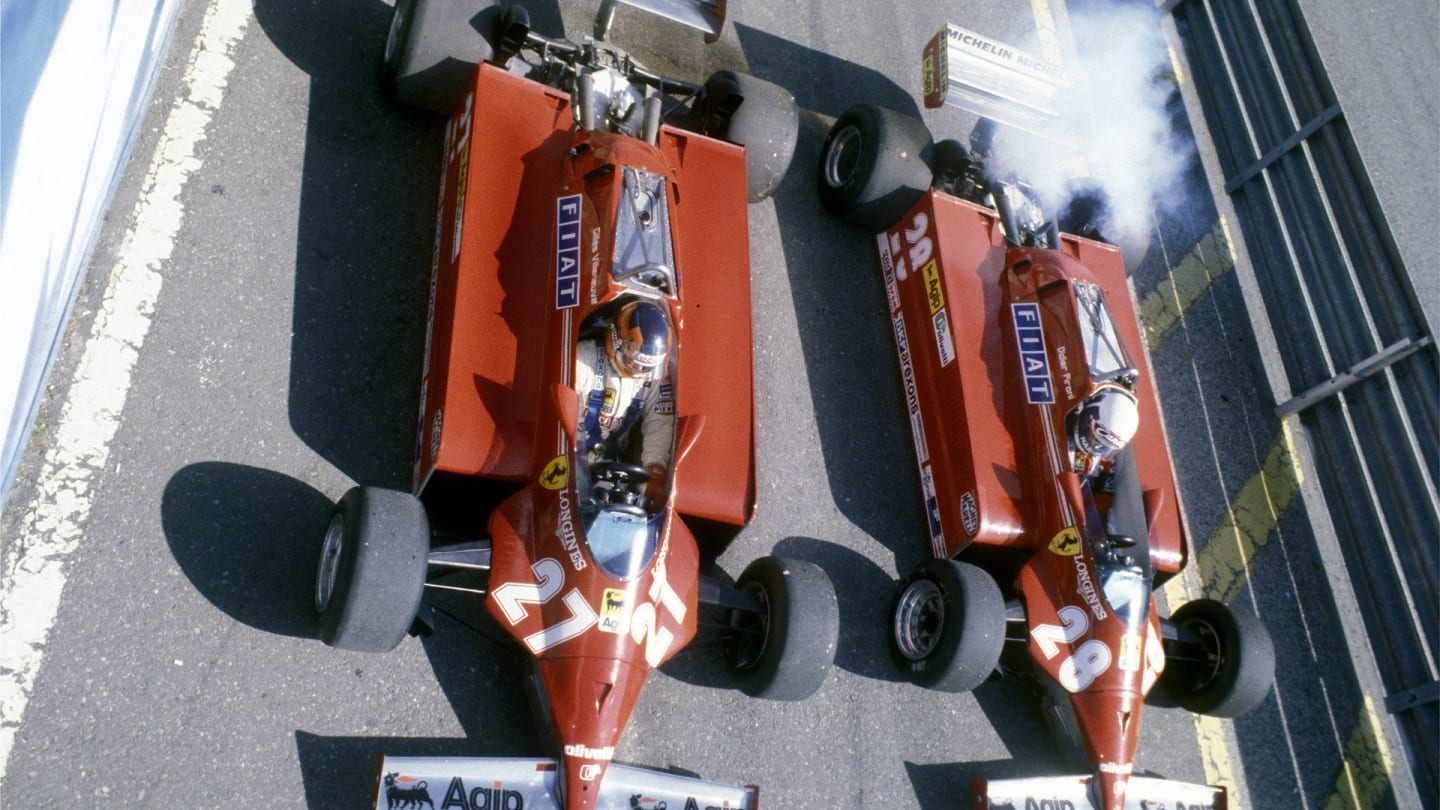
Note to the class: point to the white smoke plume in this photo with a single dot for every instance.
(1115, 111)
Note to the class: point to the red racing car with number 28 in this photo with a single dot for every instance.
(1043, 465)
(586, 435)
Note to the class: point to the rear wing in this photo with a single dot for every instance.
(706, 15)
(992, 79)
(533, 784)
(1073, 793)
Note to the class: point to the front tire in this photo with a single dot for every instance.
(874, 166)
(434, 47)
(947, 626)
(371, 571)
(787, 654)
(1224, 663)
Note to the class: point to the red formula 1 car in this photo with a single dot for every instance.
(591, 250)
(1043, 465)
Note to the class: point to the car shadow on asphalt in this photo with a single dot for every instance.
(247, 540)
(838, 301)
(365, 239)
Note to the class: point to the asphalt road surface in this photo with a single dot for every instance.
(247, 346)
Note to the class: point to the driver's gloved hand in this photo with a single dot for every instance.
(655, 488)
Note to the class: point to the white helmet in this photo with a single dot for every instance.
(1105, 422)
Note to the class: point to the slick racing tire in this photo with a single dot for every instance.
(371, 571)
(766, 123)
(1223, 663)
(433, 48)
(785, 652)
(947, 626)
(874, 165)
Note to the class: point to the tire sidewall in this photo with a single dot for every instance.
(972, 632)
(767, 124)
(892, 168)
(381, 573)
(437, 49)
(1249, 653)
(801, 626)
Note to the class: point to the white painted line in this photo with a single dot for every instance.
(34, 563)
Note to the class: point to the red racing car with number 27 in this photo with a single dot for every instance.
(586, 436)
(1042, 460)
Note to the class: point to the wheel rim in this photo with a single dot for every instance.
(919, 619)
(329, 567)
(399, 21)
(752, 643)
(843, 156)
(1212, 658)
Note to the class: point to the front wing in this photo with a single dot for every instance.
(533, 784)
(1073, 793)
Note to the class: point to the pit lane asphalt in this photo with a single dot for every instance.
(281, 366)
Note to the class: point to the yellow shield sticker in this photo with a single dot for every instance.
(556, 474)
(933, 293)
(1066, 542)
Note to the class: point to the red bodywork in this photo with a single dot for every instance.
(996, 468)
(510, 290)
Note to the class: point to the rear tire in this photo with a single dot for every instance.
(790, 653)
(1228, 672)
(371, 571)
(874, 166)
(951, 163)
(947, 626)
(434, 47)
(1087, 211)
(767, 124)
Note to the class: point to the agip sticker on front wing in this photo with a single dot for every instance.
(1073, 793)
(532, 784)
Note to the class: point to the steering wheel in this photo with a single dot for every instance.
(620, 472)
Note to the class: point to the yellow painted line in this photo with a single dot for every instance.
(1365, 775)
(1214, 735)
(1223, 565)
(1175, 65)
(1221, 569)
(1162, 309)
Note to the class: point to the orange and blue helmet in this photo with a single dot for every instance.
(639, 338)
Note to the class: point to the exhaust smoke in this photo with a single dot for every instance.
(1117, 109)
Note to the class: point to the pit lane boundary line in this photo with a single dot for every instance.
(1224, 563)
(1364, 778)
(1164, 307)
(52, 529)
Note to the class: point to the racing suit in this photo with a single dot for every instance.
(611, 404)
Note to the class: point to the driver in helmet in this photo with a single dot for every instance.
(623, 381)
(1102, 426)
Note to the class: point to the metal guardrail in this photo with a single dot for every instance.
(1350, 329)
